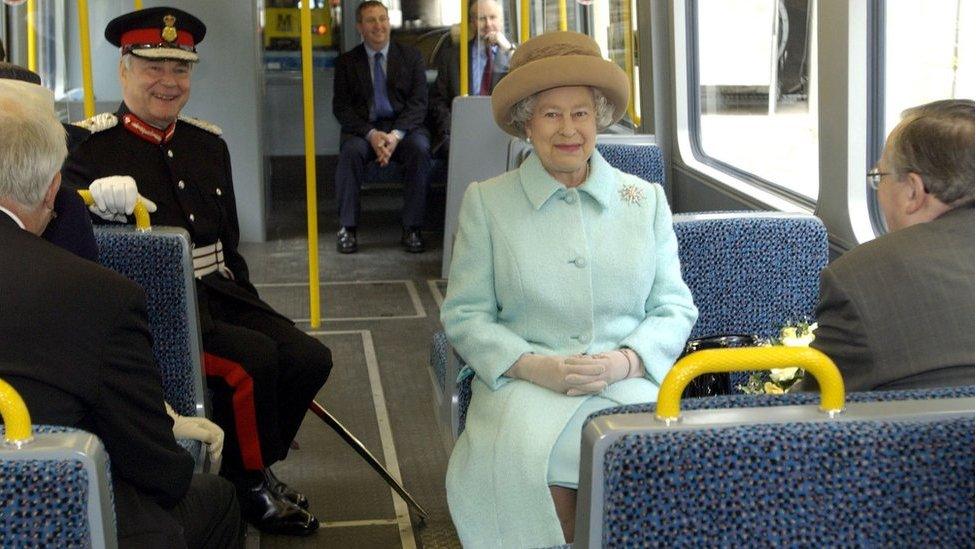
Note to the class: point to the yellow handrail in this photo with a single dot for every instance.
(86, 66)
(629, 56)
(524, 28)
(745, 359)
(463, 49)
(137, 4)
(140, 211)
(311, 202)
(563, 17)
(15, 416)
(32, 35)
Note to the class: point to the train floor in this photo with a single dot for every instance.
(379, 308)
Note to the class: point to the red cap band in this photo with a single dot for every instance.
(154, 37)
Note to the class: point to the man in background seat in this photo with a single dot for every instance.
(87, 361)
(489, 52)
(380, 100)
(262, 370)
(897, 312)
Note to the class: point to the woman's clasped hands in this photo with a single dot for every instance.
(577, 375)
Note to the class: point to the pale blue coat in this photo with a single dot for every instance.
(541, 268)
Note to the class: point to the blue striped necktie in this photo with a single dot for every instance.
(381, 103)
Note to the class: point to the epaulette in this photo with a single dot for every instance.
(202, 124)
(99, 122)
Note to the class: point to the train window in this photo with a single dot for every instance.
(940, 66)
(614, 27)
(756, 116)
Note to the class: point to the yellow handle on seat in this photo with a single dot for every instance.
(16, 418)
(747, 359)
(140, 211)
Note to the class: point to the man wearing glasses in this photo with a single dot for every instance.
(897, 312)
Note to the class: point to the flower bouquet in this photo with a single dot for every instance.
(778, 381)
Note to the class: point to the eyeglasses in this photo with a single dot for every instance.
(874, 177)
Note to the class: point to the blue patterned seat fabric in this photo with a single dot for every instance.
(751, 273)
(44, 501)
(644, 161)
(860, 483)
(438, 358)
(154, 260)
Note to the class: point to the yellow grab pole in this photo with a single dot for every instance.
(86, 67)
(32, 35)
(463, 57)
(137, 4)
(563, 17)
(310, 194)
(524, 29)
(629, 56)
(15, 416)
(140, 211)
(745, 359)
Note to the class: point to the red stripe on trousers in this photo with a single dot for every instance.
(245, 417)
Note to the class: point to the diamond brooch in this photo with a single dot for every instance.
(632, 194)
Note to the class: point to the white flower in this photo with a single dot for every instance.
(772, 389)
(780, 375)
(788, 336)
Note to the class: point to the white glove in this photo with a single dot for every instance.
(115, 197)
(202, 429)
(560, 373)
(617, 366)
(499, 39)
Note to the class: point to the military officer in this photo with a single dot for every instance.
(263, 371)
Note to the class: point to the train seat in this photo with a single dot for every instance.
(56, 491)
(159, 261)
(894, 468)
(749, 273)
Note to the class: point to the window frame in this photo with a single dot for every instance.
(690, 113)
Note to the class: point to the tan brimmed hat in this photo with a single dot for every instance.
(553, 60)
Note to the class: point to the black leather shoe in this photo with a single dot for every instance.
(412, 241)
(262, 508)
(283, 491)
(346, 243)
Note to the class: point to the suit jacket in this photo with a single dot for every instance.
(448, 83)
(406, 82)
(897, 312)
(87, 362)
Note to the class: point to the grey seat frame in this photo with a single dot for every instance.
(86, 449)
(604, 431)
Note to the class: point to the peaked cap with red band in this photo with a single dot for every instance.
(157, 33)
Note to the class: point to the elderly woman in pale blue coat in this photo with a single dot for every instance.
(565, 297)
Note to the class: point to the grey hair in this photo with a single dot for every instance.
(523, 110)
(935, 141)
(32, 148)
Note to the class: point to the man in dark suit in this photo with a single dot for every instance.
(71, 228)
(263, 371)
(380, 100)
(897, 312)
(489, 52)
(87, 361)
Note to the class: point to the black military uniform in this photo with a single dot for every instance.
(263, 371)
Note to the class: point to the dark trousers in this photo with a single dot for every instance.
(413, 153)
(263, 372)
(208, 516)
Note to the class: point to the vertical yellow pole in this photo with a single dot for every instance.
(463, 49)
(563, 17)
(524, 30)
(310, 191)
(137, 4)
(32, 35)
(86, 67)
(629, 60)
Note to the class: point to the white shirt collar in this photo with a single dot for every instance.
(14, 217)
(370, 52)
